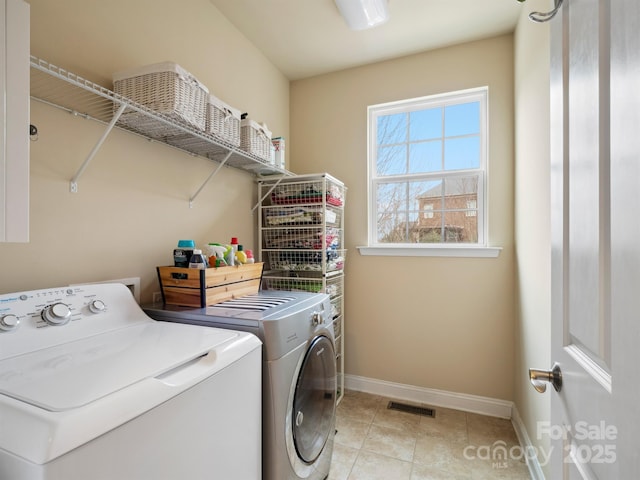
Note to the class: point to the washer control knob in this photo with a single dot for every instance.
(9, 323)
(97, 306)
(316, 319)
(57, 314)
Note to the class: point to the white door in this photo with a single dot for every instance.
(595, 152)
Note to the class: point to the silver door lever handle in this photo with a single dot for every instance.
(540, 378)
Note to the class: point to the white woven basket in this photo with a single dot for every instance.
(255, 139)
(165, 88)
(223, 121)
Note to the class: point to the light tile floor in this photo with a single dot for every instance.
(373, 442)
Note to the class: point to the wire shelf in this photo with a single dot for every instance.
(65, 90)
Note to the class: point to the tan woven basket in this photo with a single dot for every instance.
(255, 139)
(223, 121)
(165, 88)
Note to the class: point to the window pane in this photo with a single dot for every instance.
(425, 124)
(461, 194)
(392, 228)
(431, 234)
(391, 208)
(392, 129)
(404, 207)
(391, 197)
(462, 153)
(425, 192)
(463, 119)
(392, 160)
(425, 157)
(460, 228)
(428, 229)
(464, 188)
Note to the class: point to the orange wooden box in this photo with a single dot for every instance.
(192, 287)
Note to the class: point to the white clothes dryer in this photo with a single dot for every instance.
(299, 374)
(92, 388)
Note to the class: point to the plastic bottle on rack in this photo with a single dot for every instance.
(182, 254)
(250, 258)
(241, 256)
(234, 249)
(197, 260)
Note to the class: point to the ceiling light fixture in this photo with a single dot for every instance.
(361, 14)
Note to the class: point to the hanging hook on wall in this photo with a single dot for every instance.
(542, 17)
(33, 133)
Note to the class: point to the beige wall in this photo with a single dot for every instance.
(132, 204)
(532, 226)
(443, 323)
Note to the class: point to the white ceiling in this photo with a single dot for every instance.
(304, 38)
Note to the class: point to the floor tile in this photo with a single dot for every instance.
(373, 466)
(393, 442)
(442, 454)
(385, 417)
(447, 424)
(484, 430)
(342, 461)
(360, 406)
(424, 472)
(499, 470)
(350, 432)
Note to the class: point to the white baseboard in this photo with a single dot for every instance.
(430, 396)
(535, 469)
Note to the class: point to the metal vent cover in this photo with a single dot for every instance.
(404, 407)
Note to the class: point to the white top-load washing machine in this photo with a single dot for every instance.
(92, 388)
(299, 373)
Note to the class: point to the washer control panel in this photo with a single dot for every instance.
(42, 308)
(40, 318)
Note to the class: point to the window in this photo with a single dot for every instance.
(428, 210)
(427, 171)
(472, 206)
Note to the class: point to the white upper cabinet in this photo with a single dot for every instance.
(14, 120)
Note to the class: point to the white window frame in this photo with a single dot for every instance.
(479, 249)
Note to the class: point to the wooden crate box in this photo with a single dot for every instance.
(191, 287)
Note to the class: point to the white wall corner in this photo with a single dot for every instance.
(535, 469)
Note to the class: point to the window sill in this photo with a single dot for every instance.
(431, 251)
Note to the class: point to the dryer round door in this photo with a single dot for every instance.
(314, 401)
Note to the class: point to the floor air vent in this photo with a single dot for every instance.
(403, 407)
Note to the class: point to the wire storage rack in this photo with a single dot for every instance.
(301, 242)
(57, 87)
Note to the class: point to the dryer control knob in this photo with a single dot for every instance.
(9, 323)
(97, 306)
(316, 319)
(56, 314)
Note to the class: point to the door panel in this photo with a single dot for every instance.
(581, 250)
(588, 182)
(595, 155)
